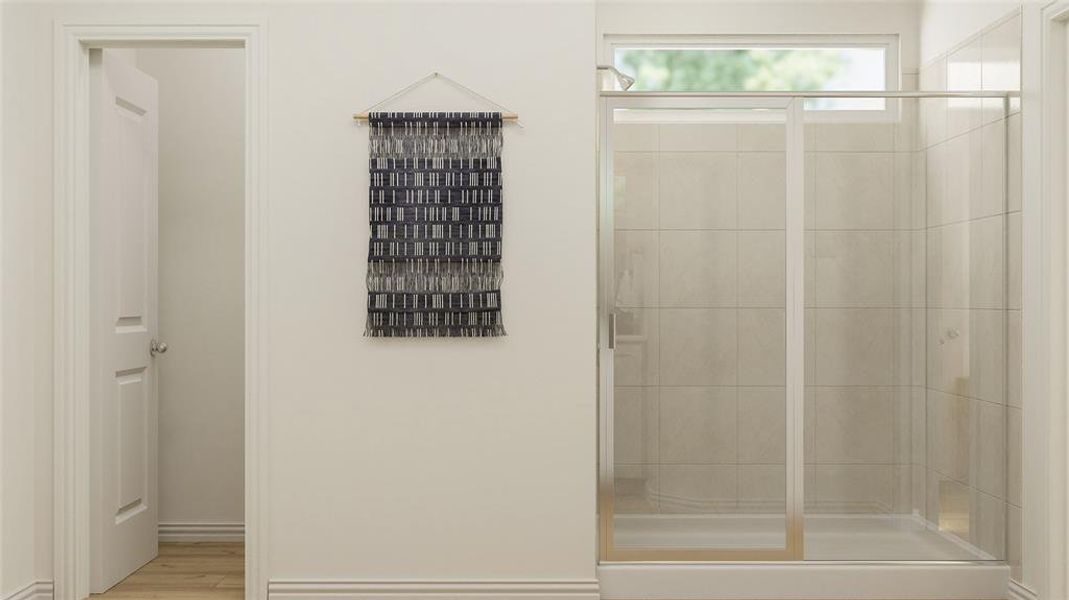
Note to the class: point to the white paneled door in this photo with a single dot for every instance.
(123, 307)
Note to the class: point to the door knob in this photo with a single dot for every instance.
(157, 347)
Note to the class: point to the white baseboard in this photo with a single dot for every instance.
(1019, 592)
(428, 590)
(38, 590)
(202, 532)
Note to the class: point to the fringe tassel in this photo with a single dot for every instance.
(435, 332)
(414, 142)
(430, 276)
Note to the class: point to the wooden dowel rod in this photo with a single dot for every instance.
(504, 117)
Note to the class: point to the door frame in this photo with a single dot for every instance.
(1045, 319)
(794, 545)
(71, 323)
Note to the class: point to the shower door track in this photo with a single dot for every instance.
(803, 95)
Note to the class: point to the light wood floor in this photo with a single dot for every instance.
(194, 571)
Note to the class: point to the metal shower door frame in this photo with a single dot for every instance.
(795, 333)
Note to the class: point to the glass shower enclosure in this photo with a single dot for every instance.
(802, 328)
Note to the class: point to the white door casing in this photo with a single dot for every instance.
(123, 314)
(72, 355)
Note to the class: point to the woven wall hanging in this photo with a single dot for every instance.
(434, 259)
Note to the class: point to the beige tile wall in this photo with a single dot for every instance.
(969, 463)
(860, 305)
(700, 271)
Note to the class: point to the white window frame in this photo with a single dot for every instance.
(888, 42)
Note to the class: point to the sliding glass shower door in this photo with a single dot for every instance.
(832, 300)
(701, 341)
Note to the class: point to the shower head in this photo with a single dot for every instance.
(626, 81)
(623, 80)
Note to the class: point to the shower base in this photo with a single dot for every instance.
(848, 557)
(827, 537)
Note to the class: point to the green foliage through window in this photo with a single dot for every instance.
(732, 69)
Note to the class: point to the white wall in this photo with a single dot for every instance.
(1043, 545)
(3, 290)
(945, 23)
(389, 460)
(25, 278)
(391, 456)
(201, 282)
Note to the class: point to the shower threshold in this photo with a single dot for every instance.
(828, 537)
(848, 557)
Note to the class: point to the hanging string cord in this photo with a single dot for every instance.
(436, 75)
(401, 92)
(471, 92)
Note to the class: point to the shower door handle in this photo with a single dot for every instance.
(612, 331)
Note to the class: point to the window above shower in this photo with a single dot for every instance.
(760, 63)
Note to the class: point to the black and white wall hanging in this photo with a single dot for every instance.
(435, 205)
